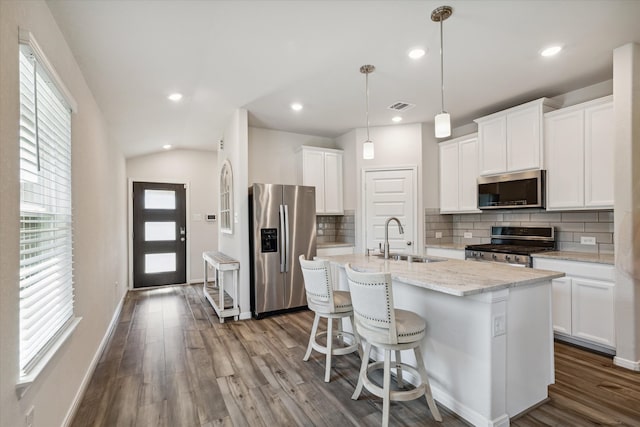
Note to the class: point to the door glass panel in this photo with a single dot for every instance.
(159, 199)
(159, 231)
(159, 263)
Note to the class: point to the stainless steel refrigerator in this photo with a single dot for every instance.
(283, 226)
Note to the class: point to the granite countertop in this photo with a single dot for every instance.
(334, 245)
(578, 256)
(454, 277)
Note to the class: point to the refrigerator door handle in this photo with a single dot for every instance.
(286, 238)
(283, 255)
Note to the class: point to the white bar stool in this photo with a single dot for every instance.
(381, 325)
(325, 302)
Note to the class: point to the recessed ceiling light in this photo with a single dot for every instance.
(166, 146)
(396, 119)
(175, 97)
(296, 106)
(550, 51)
(416, 53)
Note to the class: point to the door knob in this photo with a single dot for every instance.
(182, 239)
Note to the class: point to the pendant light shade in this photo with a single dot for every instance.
(442, 120)
(443, 125)
(367, 147)
(368, 152)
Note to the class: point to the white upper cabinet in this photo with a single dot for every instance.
(322, 168)
(599, 155)
(458, 175)
(493, 148)
(579, 156)
(511, 140)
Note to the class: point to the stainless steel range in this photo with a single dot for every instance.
(513, 245)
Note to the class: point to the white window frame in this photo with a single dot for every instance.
(226, 198)
(43, 174)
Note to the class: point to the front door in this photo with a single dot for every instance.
(159, 234)
(390, 193)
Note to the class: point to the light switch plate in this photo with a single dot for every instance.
(468, 235)
(438, 234)
(587, 240)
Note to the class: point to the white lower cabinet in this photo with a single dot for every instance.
(334, 250)
(583, 301)
(446, 253)
(561, 301)
(592, 311)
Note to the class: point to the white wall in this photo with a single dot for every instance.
(272, 155)
(199, 170)
(99, 206)
(626, 102)
(431, 168)
(236, 245)
(347, 143)
(398, 145)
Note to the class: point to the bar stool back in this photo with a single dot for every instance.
(381, 325)
(330, 304)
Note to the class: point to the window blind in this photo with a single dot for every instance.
(46, 263)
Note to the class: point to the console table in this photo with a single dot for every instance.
(224, 303)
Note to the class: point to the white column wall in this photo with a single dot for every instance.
(626, 99)
(236, 245)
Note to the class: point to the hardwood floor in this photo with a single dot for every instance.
(170, 362)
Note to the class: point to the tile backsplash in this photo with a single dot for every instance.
(569, 226)
(336, 228)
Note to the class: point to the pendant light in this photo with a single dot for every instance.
(442, 120)
(367, 146)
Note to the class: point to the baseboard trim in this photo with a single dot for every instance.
(628, 364)
(77, 400)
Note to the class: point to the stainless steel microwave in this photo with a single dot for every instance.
(512, 190)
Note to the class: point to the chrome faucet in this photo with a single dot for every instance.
(386, 234)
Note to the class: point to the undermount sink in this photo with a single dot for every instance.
(414, 258)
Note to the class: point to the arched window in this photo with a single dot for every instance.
(226, 198)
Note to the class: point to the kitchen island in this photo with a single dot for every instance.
(489, 343)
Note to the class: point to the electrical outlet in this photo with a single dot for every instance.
(438, 234)
(468, 235)
(29, 417)
(499, 325)
(587, 240)
(116, 283)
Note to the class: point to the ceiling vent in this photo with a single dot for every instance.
(401, 106)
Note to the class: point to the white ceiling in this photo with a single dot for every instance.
(263, 55)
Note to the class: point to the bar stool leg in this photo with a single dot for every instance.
(363, 370)
(386, 391)
(327, 369)
(312, 337)
(399, 370)
(427, 388)
(356, 337)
